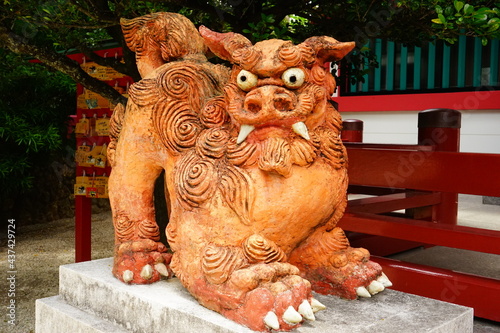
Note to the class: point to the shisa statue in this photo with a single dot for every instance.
(255, 173)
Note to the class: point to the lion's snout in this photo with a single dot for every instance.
(270, 101)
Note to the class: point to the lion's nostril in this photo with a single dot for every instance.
(253, 105)
(283, 103)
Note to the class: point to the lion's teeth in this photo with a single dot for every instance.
(317, 305)
(301, 129)
(244, 131)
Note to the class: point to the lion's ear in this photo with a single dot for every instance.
(329, 49)
(224, 44)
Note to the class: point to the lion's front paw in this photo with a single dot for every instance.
(264, 297)
(350, 274)
(281, 298)
(141, 261)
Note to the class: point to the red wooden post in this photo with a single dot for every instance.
(83, 228)
(441, 128)
(352, 130)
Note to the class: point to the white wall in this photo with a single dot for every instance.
(480, 132)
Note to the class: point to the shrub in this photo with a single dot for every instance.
(34, 107)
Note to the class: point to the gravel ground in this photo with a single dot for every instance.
(40, 250)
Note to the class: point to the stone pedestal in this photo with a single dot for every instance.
(91, 300)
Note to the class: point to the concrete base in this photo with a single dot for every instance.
(91, 300)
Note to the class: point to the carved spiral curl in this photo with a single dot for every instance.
(290, 56)
(212, 142)
(194, 179)
(246, 57)
(173, 45)
(172, 235)
(124, 228)
(219, 262)
(177, 125)
(214, 113)
(307, 101)
(243, 154)
(177, 82)
(308, 54)
(144, 92)
(318, 75)
(259, 249)
(335, 240)
(148, 229)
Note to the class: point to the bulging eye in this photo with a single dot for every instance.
(293, 77)
(246, 80)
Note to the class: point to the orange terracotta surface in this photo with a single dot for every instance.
(255, 171)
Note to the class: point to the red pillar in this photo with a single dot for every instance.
(83, 228)
(441, 128)
(352, 130)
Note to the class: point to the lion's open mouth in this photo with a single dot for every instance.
(265, 130)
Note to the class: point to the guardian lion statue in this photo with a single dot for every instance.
(255, 173)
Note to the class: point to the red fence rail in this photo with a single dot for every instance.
(424, 180)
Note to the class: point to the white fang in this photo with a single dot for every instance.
(244, 131)
(301, 129)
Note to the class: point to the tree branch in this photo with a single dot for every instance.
(20, 45)
(94, 13)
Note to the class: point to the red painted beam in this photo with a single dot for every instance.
(392, 202)
(469, 100)
(480, 293)
(397, 146)
(481, 240)
(469, 173)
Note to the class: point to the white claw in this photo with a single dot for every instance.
(244, 131)
(317, 305)
(385, 281)
(363, 292)
(375, 287)
(147, 272)
(271, 320)
(301, 129)
(162, 269)
(306, 311)
(127, 276)
(291, 316)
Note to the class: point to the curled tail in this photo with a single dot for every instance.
(156, 39)
(159, 38)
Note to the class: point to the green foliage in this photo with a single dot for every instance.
(267, 29)
(67, 25)
(361, 62)
(34, 107)
(478, 20)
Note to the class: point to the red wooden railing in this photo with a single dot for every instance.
(425, 182)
